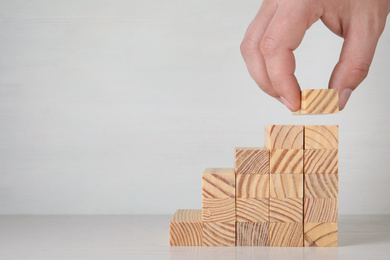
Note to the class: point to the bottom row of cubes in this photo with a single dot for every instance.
(187, 229)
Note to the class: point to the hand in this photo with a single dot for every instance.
(279, 27)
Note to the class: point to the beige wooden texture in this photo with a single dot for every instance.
(286, 185)
(185, 228)
(252, 210)
(286, 161)
(218, 210)
(320, 234)
(218, 185)
(219, 234)
(321, 137)
(320, 161)
(319, 101)
(321, 185)
(283, 137)
(254, 186)
(320, 210)
(286, 210)
(251, 160)
(286, 234)
(252, 234)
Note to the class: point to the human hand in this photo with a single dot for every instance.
(278, 29)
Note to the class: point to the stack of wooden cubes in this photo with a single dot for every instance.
(282, 195)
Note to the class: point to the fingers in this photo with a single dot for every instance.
(355, 59)
(250, 47)
(283, 35)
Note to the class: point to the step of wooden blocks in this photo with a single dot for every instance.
(320, 234)
(283, 137)
(185, 228)
(319, 101)
(321, 137)
(286, 161)
(251, 160)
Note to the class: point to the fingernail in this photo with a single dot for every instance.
(280, 100)
(287, 104)
(343, 97)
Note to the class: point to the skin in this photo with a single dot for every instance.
(279, 27)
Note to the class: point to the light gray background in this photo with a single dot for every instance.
(116, 107)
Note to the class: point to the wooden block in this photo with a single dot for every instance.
(185, 228)
(320, 234)
(286, 185)
(286, 161)
(255, 186)
(321, 137)
(252, 234)
(219, 234)
(320, 161)
(252, 161)
(286, 210)
(286, 234)
(321, 185)
(320, 210)
(283, 137)
(218, 185)
(252, 210)
(319, 101)
(219, 210)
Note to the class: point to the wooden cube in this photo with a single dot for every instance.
(219, 234)
(321, 137)
(320, 234)
(320, 161)
(255, 186)
(319, 101)
(283, 137)
(252, 234)
(252, 161)
(185, 228)
(286, 210)
(219, 210)
(321, 185)
(216, 185)
(286, 185)
(286, 234)
(320, 210)
(252, 210)
(286, 161)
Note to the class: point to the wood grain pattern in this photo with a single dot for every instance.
(286, 234)
(286, 186)
(252, 161)
(218, 185)
(252, 210)
(319, 101)
(320, 234)
(320, 161)
(218, 210)
(185, 228)
(252, 234)
(321, 185)
(286, 210)
(286, 161)
(321, 137)
(219, 234)
(283, 137)
(320, 210)
(254, 186)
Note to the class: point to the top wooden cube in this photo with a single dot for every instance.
(319, 101)
(321, 137)
(251, 160)
(283, 137)
(218, 183)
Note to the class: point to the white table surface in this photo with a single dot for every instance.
(147, 237)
